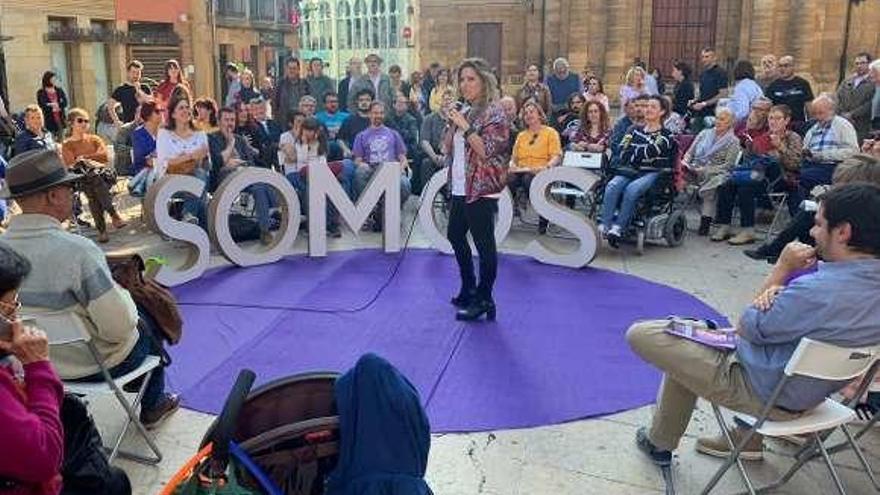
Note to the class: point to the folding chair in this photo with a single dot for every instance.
(807, 453)
(815, 360)
(75, 334)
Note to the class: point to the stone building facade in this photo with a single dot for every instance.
(606, 35)
(77, 39)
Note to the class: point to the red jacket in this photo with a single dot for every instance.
(31, 434)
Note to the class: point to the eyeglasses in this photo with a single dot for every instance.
(82, 121)
(534, 138)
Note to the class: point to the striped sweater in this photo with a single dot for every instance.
(70, 288)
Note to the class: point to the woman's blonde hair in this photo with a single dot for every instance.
(75, 113)
(487, 77)
(631, 74)
(249, 74)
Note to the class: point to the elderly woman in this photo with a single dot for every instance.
(634, 85)
(477, 150)
(86, 153)
(30, 394)
(782, 158)
(646, 150)
(534, 90)
(537, 148)
(709, 160)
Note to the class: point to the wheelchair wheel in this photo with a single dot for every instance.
(675, 228)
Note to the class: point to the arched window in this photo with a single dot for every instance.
(360, 25)
(305, 14)
(395, 14)
(378, 27)
(326, 27)
(343, 25)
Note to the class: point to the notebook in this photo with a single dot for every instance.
(705, 332)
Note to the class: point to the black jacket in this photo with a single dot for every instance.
(51, 124)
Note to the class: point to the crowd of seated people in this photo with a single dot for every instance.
(770, 136)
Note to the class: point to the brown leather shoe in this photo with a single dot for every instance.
(103, 237)
(167, 406)
(718, 446)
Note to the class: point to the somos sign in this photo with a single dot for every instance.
(324, 188)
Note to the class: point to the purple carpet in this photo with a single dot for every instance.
(556, 353)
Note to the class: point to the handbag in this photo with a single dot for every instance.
(157, 301)
(183, 168)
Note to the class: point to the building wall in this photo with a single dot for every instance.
(605, 35)
(240, 35)
(28, 55)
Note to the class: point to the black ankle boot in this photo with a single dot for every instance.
(476, 309)
(464, 298)
(705, 224)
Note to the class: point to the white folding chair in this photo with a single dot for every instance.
(815, 360)
(66, 335)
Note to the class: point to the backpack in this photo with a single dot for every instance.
(156, 300)
(85, 470)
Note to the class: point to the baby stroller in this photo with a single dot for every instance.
(310, 434)
(283, 437)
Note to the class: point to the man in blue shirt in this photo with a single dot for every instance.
(837, 304)
(562, 83)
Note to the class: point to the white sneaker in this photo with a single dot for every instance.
(615, 231)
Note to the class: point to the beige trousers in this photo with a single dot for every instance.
(691, 370)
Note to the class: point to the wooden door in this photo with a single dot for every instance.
(680, 30)
(484, 41)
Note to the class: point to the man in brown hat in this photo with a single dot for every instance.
(71, 284)
(375, 81)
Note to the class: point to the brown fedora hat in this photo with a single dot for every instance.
(35, 171)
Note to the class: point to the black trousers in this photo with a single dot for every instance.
(797, 229)
(478, 218)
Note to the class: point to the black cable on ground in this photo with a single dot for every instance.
(354, 310)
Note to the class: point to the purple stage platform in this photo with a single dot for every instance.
(556, 353)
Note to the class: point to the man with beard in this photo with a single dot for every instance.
(839, 293)
(356, 122)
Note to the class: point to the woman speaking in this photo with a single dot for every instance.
(477, 150)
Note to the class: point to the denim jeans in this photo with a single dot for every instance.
(630, 190)
(362, 176)
(197, 206)
(144, 347)
(812, 174)
(347, 178)
(137, 185)
(262, 202)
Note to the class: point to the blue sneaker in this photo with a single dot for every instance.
(662, 458)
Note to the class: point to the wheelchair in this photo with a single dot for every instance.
(659, 215)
